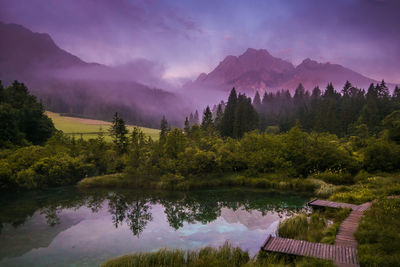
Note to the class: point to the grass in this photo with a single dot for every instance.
(88, 128)
(268, 181)
(378, 234)
(368, 188)
(320, 226)
(223, 256)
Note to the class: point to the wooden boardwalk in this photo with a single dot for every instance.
(342, 253)
(318, 203)
(343, 256)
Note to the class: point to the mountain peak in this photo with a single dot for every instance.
(252, 51)
(257, 69)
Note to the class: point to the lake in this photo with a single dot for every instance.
(72, 227)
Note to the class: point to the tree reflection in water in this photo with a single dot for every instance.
(135, 207)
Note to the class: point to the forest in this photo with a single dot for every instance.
(331, 135)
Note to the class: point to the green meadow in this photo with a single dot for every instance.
(89, 128)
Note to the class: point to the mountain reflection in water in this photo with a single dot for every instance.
(67, 226)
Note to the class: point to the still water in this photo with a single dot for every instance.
(71, 227)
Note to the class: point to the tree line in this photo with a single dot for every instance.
(342, 113)
(227, 141)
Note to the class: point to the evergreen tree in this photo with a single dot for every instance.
(191, 119)
(196, 119)
(207, 121)
(396, 94)
(346, 88)
(218, 117)
(316, 93)
(118, 132)
(382, 90)
(246, 117)
(228, 120)
(370, 112)
(257, 102)
(164, 129)
(187, 126)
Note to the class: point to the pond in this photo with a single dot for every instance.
(71, 227)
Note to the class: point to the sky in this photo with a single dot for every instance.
(182, 38)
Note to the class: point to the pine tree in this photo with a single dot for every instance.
(257, 102)
(396, 94)
(196, 119)
(191, 119)
(218, 117)
(228, 119)
(164, 129)
(118, 132)
(246, 117)
(207, 121)
(383, 90)
(346, 88)
(316, 93)
(187, 126)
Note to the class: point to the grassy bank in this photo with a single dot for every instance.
(223, 256)
(267, 181)
(89, 128)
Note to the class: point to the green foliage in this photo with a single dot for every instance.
(207, 122)
(392, 124)
(118, 132)
(22, 118)
(378, 234)
(328, 111)
(239, 116)
(337, 177)
(164, 129)
(61, 161)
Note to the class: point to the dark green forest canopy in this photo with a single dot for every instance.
(342, 113)
(22, 118)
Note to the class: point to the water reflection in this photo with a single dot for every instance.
(134, 207)
(86, 227)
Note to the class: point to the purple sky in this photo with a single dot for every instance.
(185, 37)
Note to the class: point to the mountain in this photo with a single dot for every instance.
(259, 70)
(23, 53)
(67, 84)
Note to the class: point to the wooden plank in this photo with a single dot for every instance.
(266, 241)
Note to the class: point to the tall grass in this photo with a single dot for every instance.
(315, 227)
(223, 256)
(378, 234)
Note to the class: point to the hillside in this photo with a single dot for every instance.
(67, 84)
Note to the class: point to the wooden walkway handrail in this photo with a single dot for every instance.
(343, 253)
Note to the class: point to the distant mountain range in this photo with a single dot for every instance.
(258, 70)
(65, 83)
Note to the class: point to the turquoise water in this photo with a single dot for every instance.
(70, 227)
